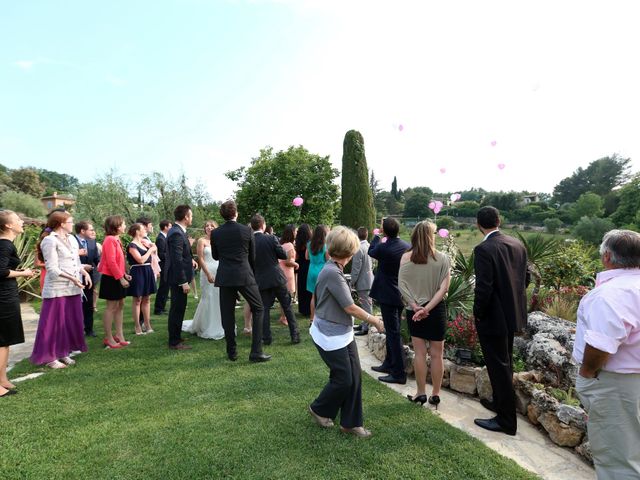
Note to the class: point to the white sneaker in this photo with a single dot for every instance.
(56, 364)
(68, 361)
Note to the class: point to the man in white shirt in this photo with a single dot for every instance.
(607, 347)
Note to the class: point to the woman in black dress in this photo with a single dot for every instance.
(143, 280)
(11, 332)
(304, 297)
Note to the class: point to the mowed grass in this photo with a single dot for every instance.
(147, 412)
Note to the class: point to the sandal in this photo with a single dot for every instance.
(68, 361)
(56, 364)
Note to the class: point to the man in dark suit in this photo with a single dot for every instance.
(271, 280)
(163, 286)
(385, 291)
(233, 245)
(178, 273)
(500, 311)
(89, 257)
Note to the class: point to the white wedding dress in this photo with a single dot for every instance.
(207, 322)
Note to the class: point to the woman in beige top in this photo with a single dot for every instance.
(423, 281)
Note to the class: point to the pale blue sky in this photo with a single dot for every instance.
(203, 85)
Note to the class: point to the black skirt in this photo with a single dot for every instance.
(11, 332)
(432, 327)
(111, 289)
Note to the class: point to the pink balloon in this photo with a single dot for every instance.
(432, 205)
(400, 127)
(493, 143)
(458, 196)
(501, 166)
(443, 170)
(437, 210)
(453, 197)
(297, 202)
(439, 204)
(443, 233)
(376, 231)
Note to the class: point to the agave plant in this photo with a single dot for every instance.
(25, 245)
(460, 295)
(538, 248)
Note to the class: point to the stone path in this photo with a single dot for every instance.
(30, 324)
(530, 448)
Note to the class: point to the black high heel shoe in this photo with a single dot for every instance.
(417, 399)
(434, 400)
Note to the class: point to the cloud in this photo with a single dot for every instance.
(25, 64)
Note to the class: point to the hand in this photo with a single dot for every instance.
(379, 324)
(77, 283)
(194, 264)
(153, 248)
(124, 282)
(127, 277)
(186, 288)
(210, 278)
(87, 268)
(30, 273)
(82, 252)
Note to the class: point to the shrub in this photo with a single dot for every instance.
(562, 307)
(552, 224)
(446, 222)
(575, 265)
(592, 229)
(461, 333)
(22, 203)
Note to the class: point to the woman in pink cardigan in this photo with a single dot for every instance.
(114, 282)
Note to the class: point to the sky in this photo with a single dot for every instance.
(502, 95)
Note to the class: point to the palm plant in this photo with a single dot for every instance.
(460, 295)
(25, 245)
(538, 248)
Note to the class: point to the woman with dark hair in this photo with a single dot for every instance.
(143, 278)
(317, 256)
(289, 265)
(304, 296)
(114, 281)
(61, 325)
(423, 281)
(11, 332)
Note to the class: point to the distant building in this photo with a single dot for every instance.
(56, 201)
(527, 199)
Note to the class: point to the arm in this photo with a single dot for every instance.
(291, 259)
(175, 247)
(374, 249)
(202, 242)
(214, 250)
(252, 252)
(356, 311)
(136, 254)
(437, 298)
(109, 257)
(5, 272)
(356, 267)
(593, 361)
(280, 253)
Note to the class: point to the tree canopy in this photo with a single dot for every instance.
(357, 208)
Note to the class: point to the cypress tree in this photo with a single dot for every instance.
(394, 188)
(357, 200)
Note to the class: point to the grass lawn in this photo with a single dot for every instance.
(146, 412)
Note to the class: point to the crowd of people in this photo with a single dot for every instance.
(308, 268)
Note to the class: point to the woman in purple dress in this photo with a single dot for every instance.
(61, 325)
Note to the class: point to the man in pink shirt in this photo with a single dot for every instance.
(607, 347)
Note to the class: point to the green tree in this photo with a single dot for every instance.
(417, 205)
(269, 185)
(27, 180)
(601, 177)
(357, 200)
(394, 188)
(57, 182)
(588, 205)
(109, 194)
(503, 201)
(592, 229)
(22, 203)
(552, 224)
(629, 203)
(574, 264)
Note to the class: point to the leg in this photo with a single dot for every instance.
(118, 319)
(227, 312)
(267, 296)
(193, 287)
(145, 310)
(4, 361)
(252, 295)
(176, 314)
(391, 318)
(436, 350)
(312, 306)
(135, 310)
(420, 364)
(246, 313)
(107, 319)
(161, 297)
(284, 297)
(495, 350)
(87, 311)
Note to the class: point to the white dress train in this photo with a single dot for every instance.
(207, 322)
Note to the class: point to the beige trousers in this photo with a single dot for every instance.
(613, 403)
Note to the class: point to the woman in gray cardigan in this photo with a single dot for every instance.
(332, 333)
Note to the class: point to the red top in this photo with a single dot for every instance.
(112, 259)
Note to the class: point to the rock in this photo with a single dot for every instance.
(546, 354)
(533, 413)
(560, 433)
(584, 450)
(483, 384)
(446, 377)
(377, 345)
(544, 402)
(463, 379)
(408, 356)
(574, 416)
(522, 402)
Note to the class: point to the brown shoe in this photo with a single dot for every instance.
(322, 421)
(359, 432)
(180, 346)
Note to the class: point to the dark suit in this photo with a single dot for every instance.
(91, 258)
(163, 286)
(272, 282)
(500, 310)
(385, 291)
(233, 245)
(179, 271)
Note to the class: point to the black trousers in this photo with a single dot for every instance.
(391, 315)
(344, 391)
(176, 314)
(161, 296)
(87, 310)
(498, 354)
(228, 312)
(284, 297)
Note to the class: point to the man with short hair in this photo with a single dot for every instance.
(163, 286)
(500, 311)
(179, 272)
(233, 245)
(385, 291)
(362, 277)
(607, 347)
(271, 280)
(89, 257)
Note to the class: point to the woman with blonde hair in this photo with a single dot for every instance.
(61, 325)
(332, 334)
(423, 281)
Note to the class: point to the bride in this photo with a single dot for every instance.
(207, 322)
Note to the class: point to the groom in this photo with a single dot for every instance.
(233, 245)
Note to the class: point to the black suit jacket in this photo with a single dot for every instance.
(267, 268)
(500, 302)
(233, 245)
(179, 266)
(385, 283)
(91, 258)
(161, 243)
